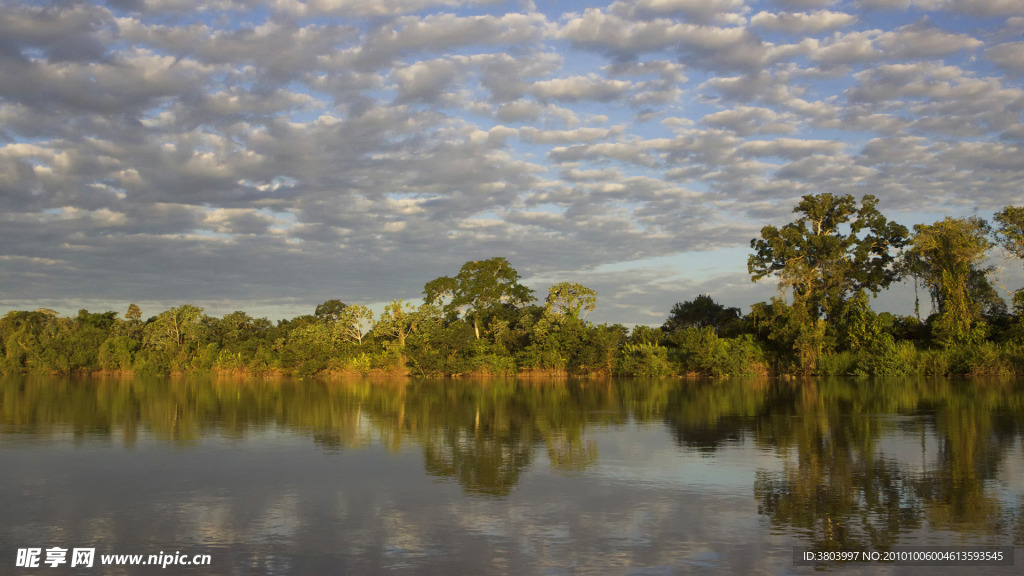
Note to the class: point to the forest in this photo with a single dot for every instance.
(828, 262)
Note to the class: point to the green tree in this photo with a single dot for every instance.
(101, 321)
(481, 287)
(131, 328)
(23, 335)
(400, 319)
(309, 348)
(353, 323)
(599, 347)
(1010, 235)
(571, 300)
(1010, 230)
(858, 323)
(643, 334)
(795, 340)
(948, 256)
(701, 312)
(833, 250)
(173, 328)
(330, 311)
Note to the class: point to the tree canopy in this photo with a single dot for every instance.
(330, 311)
(700, 312)
(1010, 230)
(480, 287)
(833, 250)
(948, 256)
(571, 300)
(1010, 235)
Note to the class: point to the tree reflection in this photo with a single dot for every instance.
(570, 453)
(974, 438)
(844, 493)
(838, 494)
(706, 417)
(844, 484)
(482, 435)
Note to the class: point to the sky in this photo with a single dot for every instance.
(268, 155)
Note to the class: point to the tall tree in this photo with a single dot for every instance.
(330, 311)
(834, 249)
(173, 328)
(355, 321)
(399, 320)
(481, 287)
(132, 327)
(948, 256)
(571, 300)
(1010, 230)
(700, 312)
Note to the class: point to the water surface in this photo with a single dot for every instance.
(509, 477)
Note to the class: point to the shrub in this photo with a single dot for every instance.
(845, 363)
(117, 353)
(643, 359)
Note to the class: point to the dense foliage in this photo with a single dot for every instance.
(483, 321)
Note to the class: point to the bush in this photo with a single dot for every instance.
(934, 362)
(985, 358)
(885, 357)
(894, 359)
(360, 363)
(117, 353)
(745, 356)
(990, 358)
(845, 363)
(205, 360)
(702, 350)
(499, 364)
(643, 359)
(541, 354)
(152, 363)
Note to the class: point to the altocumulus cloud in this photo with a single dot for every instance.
(269, 155)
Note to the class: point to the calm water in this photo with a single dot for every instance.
(443, 477)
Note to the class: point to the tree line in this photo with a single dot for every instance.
(828, 262)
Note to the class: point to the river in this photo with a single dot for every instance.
(510, 476)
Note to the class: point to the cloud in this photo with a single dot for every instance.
(584, 134)
(922, 41)
(806, 3)
(746, 120)
(153, 151)
(425, 81)
(803, 22)
(971, 7)
(728, 47)
(702, 11)
(360, 8)
(577, 88)
(437, 33)
(1008, 55)
(633, 151)
(943, 99)
(77, 33)
(790, 147)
